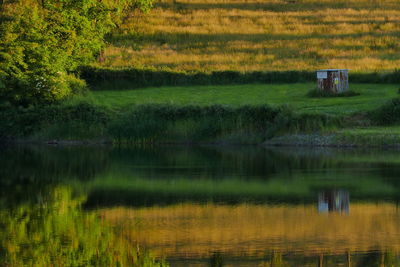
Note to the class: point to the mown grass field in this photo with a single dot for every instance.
(254, 35)
(371, 96)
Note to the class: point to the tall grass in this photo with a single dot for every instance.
(164, 123)
(246, 124)
(159, 123)
(77, 121)
(388, 114)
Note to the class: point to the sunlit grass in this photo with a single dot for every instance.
(207, 35)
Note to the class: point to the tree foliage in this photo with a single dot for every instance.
(43, 41)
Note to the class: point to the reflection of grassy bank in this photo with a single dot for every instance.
(125, 189)
(163, 176)
(169, 174)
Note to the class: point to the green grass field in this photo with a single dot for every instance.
(371, 96)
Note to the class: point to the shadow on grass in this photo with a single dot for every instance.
(204, 40)
(317, 93)
(284, 6)
(122, 79)
(131, 78)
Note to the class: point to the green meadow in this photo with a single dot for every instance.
(371, 96)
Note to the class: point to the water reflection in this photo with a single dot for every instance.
(54, 231)
(187, 233)
(209, 206)
(217, 259)
(333, 201)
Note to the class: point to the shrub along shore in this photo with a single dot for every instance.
(217, 124)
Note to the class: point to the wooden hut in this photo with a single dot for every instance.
(333, 80)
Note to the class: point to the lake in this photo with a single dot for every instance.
(199, 206)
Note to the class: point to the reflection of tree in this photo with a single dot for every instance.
(55, 232)
(25, 171)
(217, 162)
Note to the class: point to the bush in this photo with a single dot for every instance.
(47, 121)
(78, 86)
(387, 114)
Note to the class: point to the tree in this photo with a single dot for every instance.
(42, 42)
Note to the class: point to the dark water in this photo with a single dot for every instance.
(199, 206)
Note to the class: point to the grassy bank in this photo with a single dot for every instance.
(348, 137)
(159, 123)
(263, 35)
(213, 114)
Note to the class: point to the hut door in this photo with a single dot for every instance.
(336, 82)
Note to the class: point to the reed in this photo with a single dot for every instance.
(154, 123)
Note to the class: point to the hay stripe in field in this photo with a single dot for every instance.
(260, 35)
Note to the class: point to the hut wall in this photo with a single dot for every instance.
(335, 81)
(344, 80)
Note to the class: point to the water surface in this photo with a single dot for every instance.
(200, 206)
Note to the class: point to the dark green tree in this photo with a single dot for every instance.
(42, 42)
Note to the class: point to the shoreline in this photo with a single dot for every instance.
(315, 140)
(88, 124)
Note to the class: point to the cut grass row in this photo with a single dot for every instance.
(246, 36)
